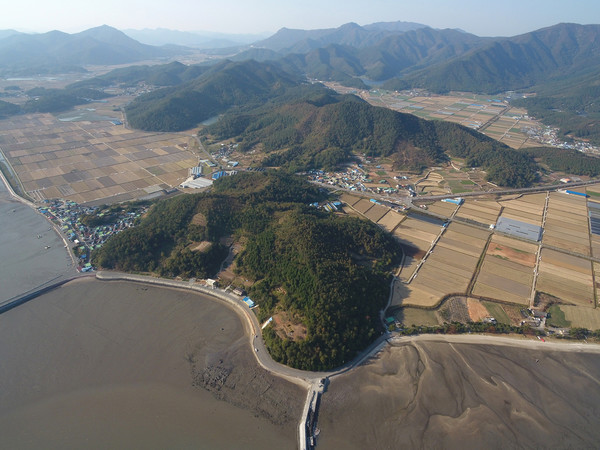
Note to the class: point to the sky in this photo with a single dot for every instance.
(480, 17)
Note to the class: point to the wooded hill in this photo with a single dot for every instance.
(328, 272)
(224, 86)
(323, 129)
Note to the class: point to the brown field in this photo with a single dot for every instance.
(567, 224)
(595, 245)
(90, 161)
(511, 253)
(566, 277)
(487, 291)
(350, 199)
(477, 311)
(582, 317)
(566, 261)
(507, 270)
(391, 220)
(467, 230)
(376, 213)
(363, 205)
(479, 211)
(448, 269)
(442, 208)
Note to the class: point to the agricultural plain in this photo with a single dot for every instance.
(90, 161)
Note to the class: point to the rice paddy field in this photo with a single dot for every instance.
(567, 277)
(526, 208)
(566, 225)
(417, 237)
(86, 161)
(507, 271)
(481, 211)
(449, 267)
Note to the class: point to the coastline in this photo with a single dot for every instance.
(136, 361)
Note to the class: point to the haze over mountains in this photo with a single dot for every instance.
(560, 63)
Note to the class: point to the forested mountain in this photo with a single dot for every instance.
(226, 85)
(321, 130)
(384, 55)
(56, 52)
(300, 41)
(559, 52)
(326, 271)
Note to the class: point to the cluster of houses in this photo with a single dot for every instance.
(67, 215)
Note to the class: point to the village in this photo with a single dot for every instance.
(100, 225)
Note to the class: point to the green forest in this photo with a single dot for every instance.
(328, 271)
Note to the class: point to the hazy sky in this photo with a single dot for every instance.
(481, 17)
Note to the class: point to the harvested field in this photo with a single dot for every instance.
(566, 290)
(509, 270)
(391, 220)
(486, 291)
(517, 255)
(567, 261)
(480, 211)
(477, 311)
(442, 208)
(363, 205)
(376, 213)
(467, 230)
(503, 283)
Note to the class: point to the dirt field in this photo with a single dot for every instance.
(503, 251)
(567, 223)
(477, 311)
(449, 267)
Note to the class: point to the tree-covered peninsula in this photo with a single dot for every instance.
(326, 276)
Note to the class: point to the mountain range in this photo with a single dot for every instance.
(560, 63)
(56, 52)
